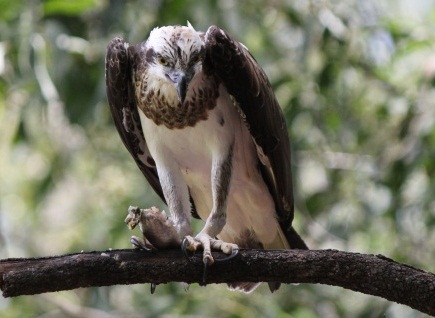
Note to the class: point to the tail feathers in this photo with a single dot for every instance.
(274, 286)
(295, 241)
(245, 287)
(289, 240)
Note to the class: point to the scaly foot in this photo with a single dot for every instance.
(208, 243)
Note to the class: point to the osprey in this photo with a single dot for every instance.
(200, 119)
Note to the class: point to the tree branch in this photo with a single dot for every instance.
(368, 274)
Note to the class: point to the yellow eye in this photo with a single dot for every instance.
(163, 61)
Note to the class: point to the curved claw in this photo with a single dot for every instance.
(204, 275)
(226, 259)
(187, 253)
(233, 254)
(184, 248)
(207, 259)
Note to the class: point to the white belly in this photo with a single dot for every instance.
(250, 207)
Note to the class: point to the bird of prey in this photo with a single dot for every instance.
(200, 118)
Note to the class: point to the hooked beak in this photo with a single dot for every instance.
(181, 81)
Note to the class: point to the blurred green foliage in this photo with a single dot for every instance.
(355, 79)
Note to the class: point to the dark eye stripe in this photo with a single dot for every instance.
(150, 55)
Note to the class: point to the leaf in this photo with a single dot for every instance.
(72, 8)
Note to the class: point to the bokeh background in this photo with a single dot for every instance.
(355, 79)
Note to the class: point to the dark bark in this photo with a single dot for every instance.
(368, 274)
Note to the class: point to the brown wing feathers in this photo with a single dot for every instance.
(248, 84)
(124, 111)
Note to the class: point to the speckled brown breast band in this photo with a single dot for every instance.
(198, 101)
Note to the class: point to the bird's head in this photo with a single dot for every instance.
(175, 55)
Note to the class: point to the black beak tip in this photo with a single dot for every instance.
(181, 96)
(182, 90)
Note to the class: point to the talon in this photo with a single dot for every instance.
(233, 254)
(208, 259)
(184, 248)
(204, 275)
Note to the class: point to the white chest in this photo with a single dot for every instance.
(193, 148)
(190, 152)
